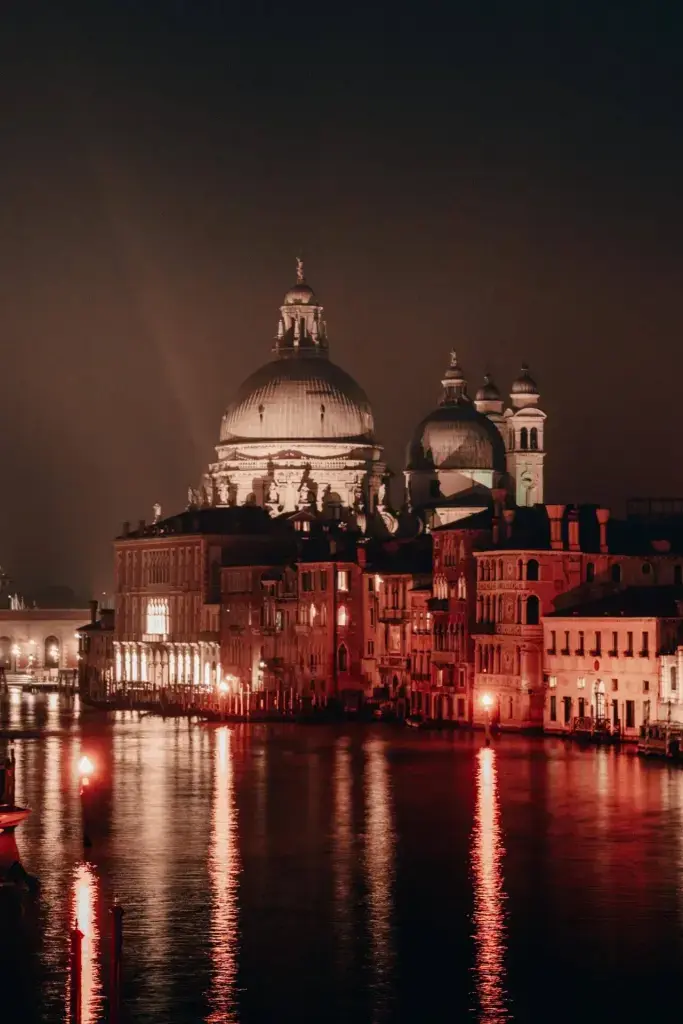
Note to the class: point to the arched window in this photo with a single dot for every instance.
(312, 613)
(157, 617)
(51, 652)
(343, 658)
(524, 439)
(480, 609)
(590, 572)
(532, 569)
(616, 573)
(533, 611)
(678, 578)
(519, 569)
(500, 568)
(533, 439)
(342, 616)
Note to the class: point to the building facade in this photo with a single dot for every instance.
(40, 641)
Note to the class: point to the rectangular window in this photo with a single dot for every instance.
(581, 683)
(646, 686)
(552, 682)
(645, 650)
(630, 714)
(371, 584)
(323, 579)
(615, 685)
(629, 645)
(371, 648)
(580, 650)
(615, 644)
(372, 615)
(553, 708)
(343, 580)
(567, 702)
(565, 649)
(461, 707)
(646, 712)
(582, 707)
(552, 647)
(597, 650)
(306, 582)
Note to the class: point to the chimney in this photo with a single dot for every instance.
(361, 554)
(603, 519)
(574, 544)
(141, 526)
(93, 612)
(126, 528)
(509, 517)
(555, 513)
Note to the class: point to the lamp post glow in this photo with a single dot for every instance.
(487, 704)
(85, 769)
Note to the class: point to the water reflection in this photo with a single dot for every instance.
(343, 851)
(84, 896)
(223, 874)
(489, 894)
(379, 861)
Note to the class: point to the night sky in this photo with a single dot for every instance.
(501, 180)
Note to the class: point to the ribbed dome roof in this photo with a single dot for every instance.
(456, 436)
(299, 398)
(488, 392)
(525, 383)
(300, 295)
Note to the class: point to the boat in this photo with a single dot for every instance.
(661, 739)
(11, 815)
(415, 721)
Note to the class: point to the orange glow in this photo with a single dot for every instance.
(85, 766)
(224, 874)
(487, 700)
(489, 895)
(223, 686)
(84, 893)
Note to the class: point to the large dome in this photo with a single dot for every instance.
(299, 398)
(456, 436)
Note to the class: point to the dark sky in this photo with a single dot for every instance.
(494, 177)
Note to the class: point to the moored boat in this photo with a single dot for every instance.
(415, 721)
(661, 739)
(10, 814)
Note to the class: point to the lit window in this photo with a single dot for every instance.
(343, 580)
(118, 668)
(581, 683)
(342, 615)
(157, 617)
(552, 682)
(312, 613)
(196, 669)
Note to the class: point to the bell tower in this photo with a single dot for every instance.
(524, 435)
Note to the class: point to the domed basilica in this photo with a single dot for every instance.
(299, 435)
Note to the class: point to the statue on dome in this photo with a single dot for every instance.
(299, 270)
(382, 495)
(156, 512)
(305, 495)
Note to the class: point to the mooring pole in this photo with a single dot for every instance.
(116, 958)
(76, 973)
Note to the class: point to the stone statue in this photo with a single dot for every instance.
(305, 495)
(156, 510)
(454, 358)
(273, 496)
(299, 270)
(382, 495)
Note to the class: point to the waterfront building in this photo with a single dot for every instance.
(614, 663)
(96, 661)
(39, 640)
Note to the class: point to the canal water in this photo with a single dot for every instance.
(365, 874)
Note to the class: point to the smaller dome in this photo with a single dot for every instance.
(525, 383)
(300, 295)
(488, 392)
(456, 436)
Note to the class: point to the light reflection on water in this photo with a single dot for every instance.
(489, 894)
(224, 876)
(379, 860)
(351, 874)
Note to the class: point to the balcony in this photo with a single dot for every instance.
(613, 653)
(392, 614)
(644, 653)
(552, 651)
(565, 652)
(580, 652)
(302, 628)
(596, 652)
(484, 627)
(437, 604)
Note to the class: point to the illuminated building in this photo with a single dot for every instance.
(299, 434)
(40, 640)
(615, 662)
(96, 660)
(464, 450)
